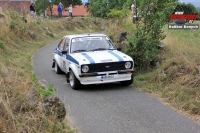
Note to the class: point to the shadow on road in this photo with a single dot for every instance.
(104, 87)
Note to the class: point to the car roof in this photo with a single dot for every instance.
(85, 35)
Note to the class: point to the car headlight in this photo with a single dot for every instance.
(85, 68)
(127, 65)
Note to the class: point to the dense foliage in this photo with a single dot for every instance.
(143, 47)
(186, 8)
(98, 8)
(114, 13)
(42, 5)
(101, 8)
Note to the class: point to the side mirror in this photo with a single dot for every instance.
(64, 52)
(119, 49)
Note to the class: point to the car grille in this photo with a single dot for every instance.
(103, 67)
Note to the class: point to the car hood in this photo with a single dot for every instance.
(94, 57)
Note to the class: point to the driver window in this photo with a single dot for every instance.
(61, 45)
(66, 46)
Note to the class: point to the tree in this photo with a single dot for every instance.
(101, 8)
(143, 47)
(117, 4)
(192, 7)
(127, 4)
(198, 18)
(186, 8)
(42, 5)
(98, 8)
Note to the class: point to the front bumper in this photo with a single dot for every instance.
(127, 71)
(106, 77)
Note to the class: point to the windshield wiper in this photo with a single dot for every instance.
(112, 49)
(98, 49)
(80, 50)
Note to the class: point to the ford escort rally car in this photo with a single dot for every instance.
(92, 59)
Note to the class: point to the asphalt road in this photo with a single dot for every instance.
(110, 108)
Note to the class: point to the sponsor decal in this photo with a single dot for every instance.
(100, 38)
(76, 39)
(104, 38)
(107, 60)
(101, 78)
(84, 39)
(89, 38)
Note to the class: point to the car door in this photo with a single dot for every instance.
(64, 57)
(60, 55)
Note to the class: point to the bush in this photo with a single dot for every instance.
(47, 92)
(114, 13)
(14, 15)
(13, 25)
(111, 36)
(2, 44)
(143, 47)
(98, 8)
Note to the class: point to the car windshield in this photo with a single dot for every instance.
(91, 44)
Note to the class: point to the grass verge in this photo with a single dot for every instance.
(176, 81)
(20, 92)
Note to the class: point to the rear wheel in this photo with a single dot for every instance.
(73, 81)
(127, 82)
(57, 68)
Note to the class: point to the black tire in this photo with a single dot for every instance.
(73, 81)
(127, 82)
(57, 68)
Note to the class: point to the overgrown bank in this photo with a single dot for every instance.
(176, 81)
(174, 76)
(21, 94)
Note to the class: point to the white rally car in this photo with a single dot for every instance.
(92, 59)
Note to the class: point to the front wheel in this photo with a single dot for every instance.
(127, 82)
(57, 68)
(73, 81)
